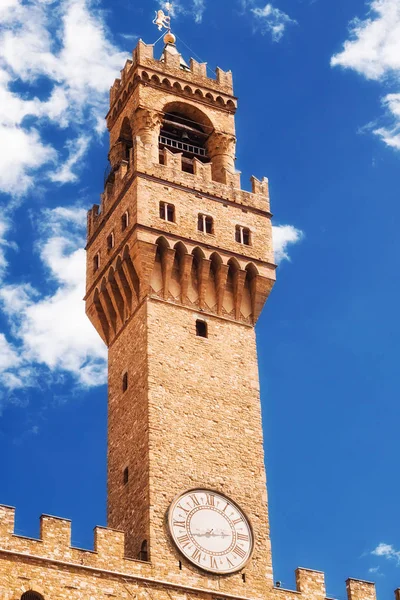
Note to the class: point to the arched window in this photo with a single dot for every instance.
(124, 220)
(110, 241)
(96, 262)
(144, 552)
(126, 139)
(180, 132)
(31, 595)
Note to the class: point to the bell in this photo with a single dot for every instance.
(185, 136)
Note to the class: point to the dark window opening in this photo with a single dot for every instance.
(126, 475)
(124, 221)
(110, 241)
(179, 133)
(144, 553)
(201, 328)
(242, 235)
(205, 223)
(125, 382)
(167, 212)
(30, 595)
(180, 565)
(96, 262)
(244, 577)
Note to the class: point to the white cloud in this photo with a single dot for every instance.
(53, 330)
(193, 8)
(373, 51)
(386, 550)
(65, 42)
(271, 20)
(283, 236)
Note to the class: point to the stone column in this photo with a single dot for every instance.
(147, 125)
(221, 150)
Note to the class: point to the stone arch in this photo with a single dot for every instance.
(199, 93)
(158, 276)
(155, 79)
(105, 327)
(124, 95)
(135, 80)
(166, 82)
(145, 76)
(212, 289)
(231, 105)
(126, 287)
(116, 294)
(229, 295)
(210, 97)
(188, 90)
(177, 86)
(219, 100)
(106, 301)
(248, 303)
(130, 273)
(126, 139)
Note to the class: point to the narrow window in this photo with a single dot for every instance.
(167, 212)
(124, 221)
(242, 235)
(201, 328)
(126, 475)
(125, 382)
(144, 553)
(96, 262)
(110, 241)
(205, 223)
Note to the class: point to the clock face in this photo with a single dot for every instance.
(211, 531)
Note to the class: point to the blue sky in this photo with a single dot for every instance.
(319, 115)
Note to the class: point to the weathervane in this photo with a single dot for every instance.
(163, 20)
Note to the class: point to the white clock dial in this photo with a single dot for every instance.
(211, 531)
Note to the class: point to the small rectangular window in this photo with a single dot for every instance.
(167, 212)
(126, 475)
(205, 223)
(125, 382)
(201, 328)
(242, 235)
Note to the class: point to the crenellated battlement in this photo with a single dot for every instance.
(105, 570)
(168, 74)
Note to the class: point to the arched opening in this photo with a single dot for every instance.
(158, 273)
(212, 282)
(185, 129)
(144, 551)
(229, 296)
(31, 595)
(126, 139)
(248, 307)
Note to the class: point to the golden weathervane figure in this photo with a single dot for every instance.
(163, 20)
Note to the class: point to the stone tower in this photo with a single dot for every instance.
(179, 265)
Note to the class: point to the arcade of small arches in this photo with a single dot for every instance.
(167, 83)
(199, 279)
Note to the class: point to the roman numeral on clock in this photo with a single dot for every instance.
(197, 555)
(210, 499)
(184, 540)
(194, 500)
(243, 536)
(178, 523)
(239, 551)
(213, 563)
